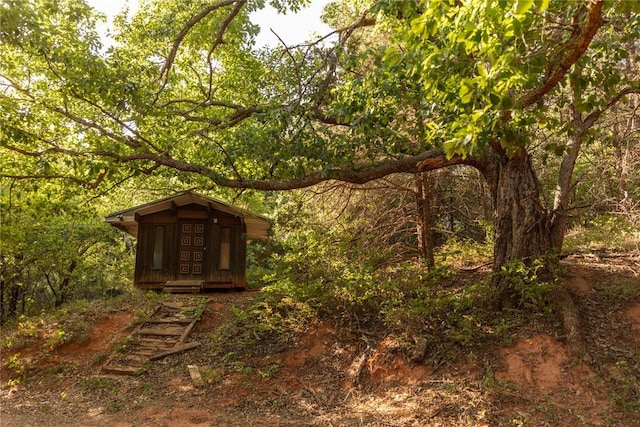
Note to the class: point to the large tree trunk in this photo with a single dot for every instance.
(521, 223)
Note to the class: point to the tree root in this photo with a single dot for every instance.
(571, 324)
(359, 365)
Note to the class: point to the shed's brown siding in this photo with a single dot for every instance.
(172, 220)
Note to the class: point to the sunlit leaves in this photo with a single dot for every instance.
(478, 56)
(523, 6)
(438, 73)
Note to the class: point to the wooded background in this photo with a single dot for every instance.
(414, 130)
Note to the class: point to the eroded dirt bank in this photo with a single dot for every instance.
(330, 377)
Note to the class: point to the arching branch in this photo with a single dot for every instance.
(357, 174)
(577, 44)
(191, 23)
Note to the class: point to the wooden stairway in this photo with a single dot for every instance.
(183, 286)
(163, 333)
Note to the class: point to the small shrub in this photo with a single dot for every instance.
(120, 346)
(26, 331)
(269, 371)
(530, 285)
(197, 310)
(268, 325)
(603, 232)
(100, 357)
(113, 292)
(58, 337)
(19, 366)
(113, 406)
(211, 375)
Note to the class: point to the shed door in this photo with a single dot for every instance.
(191, 261)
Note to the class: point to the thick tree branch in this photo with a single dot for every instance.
(428, 160)
(362, 174)
(86, 123)
(577, 44)
(240, 114)
(223, 28)
(129, 141)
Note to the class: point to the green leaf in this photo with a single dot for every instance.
(506, 103)
(466, 91)
(482, 71)
(523, 6)
(543, 5)
(418, 26)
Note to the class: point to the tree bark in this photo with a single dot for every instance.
(563, 188)
(14, 298)
(424, 218)
(521, 223)
(2, 310)
(61, 296)
(567, 166)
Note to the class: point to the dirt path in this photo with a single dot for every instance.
(327, 378)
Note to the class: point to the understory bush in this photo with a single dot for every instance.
(438, 306)
(271, 324)
(604, 233)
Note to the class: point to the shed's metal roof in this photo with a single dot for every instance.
(257, 225)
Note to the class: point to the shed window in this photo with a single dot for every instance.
(158, 247)
(225, 248)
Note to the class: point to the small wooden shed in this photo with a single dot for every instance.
(189, 242)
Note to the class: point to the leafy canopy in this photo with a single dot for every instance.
(185, 90)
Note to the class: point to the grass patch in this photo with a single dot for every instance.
(463, 253)
(626, 385)
(270, 324)
(101, 357)
(603, 233)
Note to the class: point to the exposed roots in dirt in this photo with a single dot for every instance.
(571, 324)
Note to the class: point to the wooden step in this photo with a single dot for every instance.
(184, 320)
(133, 358)
(139, 349)
(156, 342)
(181, 291)
(161, 332)
(121, 370)
(161, 335)
(183, 286)
(174, 305)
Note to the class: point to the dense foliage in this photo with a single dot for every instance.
(490, 121)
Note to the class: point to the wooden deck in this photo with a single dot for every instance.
(162, 334)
